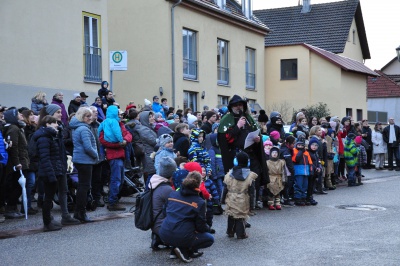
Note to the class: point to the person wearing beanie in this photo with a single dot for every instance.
(317, 133)
(267, 148)
(302, 170)
(166, 149)
(351, 158)
(361, 160)
(159, 122)
(211, 117)
(238, 181)
(331, 151)
(286, 153)
(192, 120)
(276, 125)
(197, 153)
(160, 183)
(277, 176)
(74, 104)
(313, 146)
(52, 108)
(275, 137)
(217, 167)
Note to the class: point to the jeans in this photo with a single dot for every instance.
(351, 174)
(84, 182)
(300, 186)
(30, 185)
(49, 190)
(219, 184)
(202, 240)
(97, 185)
(116, 180)
(359, 170)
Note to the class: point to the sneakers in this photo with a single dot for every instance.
(271, 208)
(182, 255)
(52, 226)
(172, 255)
(68, 220)
(195, 254)
(278, 207)
(116, 207)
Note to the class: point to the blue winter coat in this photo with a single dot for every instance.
(50, 158)
(110, 126)
(36, 106)
(85, 148)
(163, 152)
(157, 108)
(100, 114)
(217, 167)
(209, 184)
(186, 215)
(3, 152)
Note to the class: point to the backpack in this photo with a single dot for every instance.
(144, 219)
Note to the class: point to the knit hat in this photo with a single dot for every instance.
(76, 95)
(164, 139)
(275, 134)
(300, 142)
(345, 119)
(167, 167)
(193, 166)
(262, 117)
(330, 131)
(351, 136)
(300, 134)
(214, 126)
(242, 159)
(209, 114)
(147, 102)
(358, 140)
(157, 115)
(312, 141)
(274, 114)
(268, 142)
(333, 124)
(191, 119)
(52, 108)
(333, 118)
(205, 108)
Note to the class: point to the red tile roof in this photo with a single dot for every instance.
(345, 63)
(382, 86)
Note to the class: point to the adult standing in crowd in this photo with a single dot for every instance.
(38, 102)
(58, 99)
(84, 157)
(367, 136)
(379, 146)
(108, 100)
(83, 99)
(211, 118)
(391, 135)
(157, 107)
(232, 133)
(100, 113)
(74, 104)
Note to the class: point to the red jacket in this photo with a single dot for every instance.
(115, 150)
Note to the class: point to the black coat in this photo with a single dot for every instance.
(386, 133)
(50, 158)
(73, 107)
(181, 144)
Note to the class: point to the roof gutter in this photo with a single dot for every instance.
(173, 48)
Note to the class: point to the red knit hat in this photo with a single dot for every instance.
(193, 166)
(358, 140)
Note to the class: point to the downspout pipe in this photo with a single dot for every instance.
(173, 49)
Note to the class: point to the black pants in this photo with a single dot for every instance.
(310, 188)
(236, 226)
(342, 166)
(393, 150)
(209, 216)
(97, 185)
(369, 156)
(288, 191)
(13, 189)
(50, 189)
(2, 185)
(84, 182)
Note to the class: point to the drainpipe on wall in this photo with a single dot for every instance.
(173, 49)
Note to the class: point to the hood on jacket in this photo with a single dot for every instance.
(44, 132)
(11, 117)
(156, 180)
(213, 139)
(34, 100)
(112, 112)
(194, 136)
(239, 173)
(144, 118)
(237, 99)
(75, 123)
(274, 119)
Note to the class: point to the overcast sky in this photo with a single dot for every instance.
(381, 20)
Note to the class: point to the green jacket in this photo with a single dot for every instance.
(350, 152)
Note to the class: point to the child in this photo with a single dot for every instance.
(111, 126)
(277, 176)
(302, 165)
(166, 144)
(196, 151)
(313, 146)
(275, 138)
(213, 201)
(217, 167)
(160, 122)
(238, 183)
(180, 172)
(350, 156)
(330, 148)
(267, 148)
(362, 158)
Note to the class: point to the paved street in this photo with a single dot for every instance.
(320, 235)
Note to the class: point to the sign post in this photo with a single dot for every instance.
(118, 62)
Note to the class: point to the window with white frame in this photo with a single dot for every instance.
(250, 68)
(377, 116)
(189, 54)
(190, 100)
(223, 100)
(91, 47)
(222, 62)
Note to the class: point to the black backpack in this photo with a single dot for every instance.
(144, 219)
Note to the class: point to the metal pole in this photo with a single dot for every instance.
(111, 81)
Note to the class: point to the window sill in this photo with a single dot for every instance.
(251, 89)
(189, 79)
(224, 85)
(290, 79)
(92, 81)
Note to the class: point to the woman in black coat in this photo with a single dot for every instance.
(50, 166)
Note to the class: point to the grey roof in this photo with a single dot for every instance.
(326, 26)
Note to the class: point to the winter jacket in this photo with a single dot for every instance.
(212, 190)
(217, 167)
(161, 190)
(277, 174)
(37, 105)
(362, 155)
(350, 152)
(157, 108)
(85, 147)
(73, 107)
(94, 127)
(100, 114)
(181, 144)
(286, 154)
(302, 162)
(207, 127)
(115, 150)
(186, 215)
(367, 130)
(238, 182)
(50, 159)
(110, 126)
(178, 177)
(315, 161)
(197, 153)
(163, 152)
(64, 113)
(3, 152)
(276, 127)
(378, 143)
(386, 133)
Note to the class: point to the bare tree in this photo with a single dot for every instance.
(284, 108)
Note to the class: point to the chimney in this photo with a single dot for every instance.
(306, 6)
(247, 8)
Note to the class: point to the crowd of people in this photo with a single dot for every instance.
(193, 161)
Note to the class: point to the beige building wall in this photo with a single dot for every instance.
(144, 29)
(42, 48)
(352, 48)
(354, 91)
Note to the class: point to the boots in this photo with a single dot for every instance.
(81, 216)
(13, 213)
(359, 180)
(278, 203)
(155, 241)
(128, 164)
(240, 225)
(230, 231)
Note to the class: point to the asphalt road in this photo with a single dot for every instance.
(312, 235)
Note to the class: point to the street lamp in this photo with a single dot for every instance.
(398, 53)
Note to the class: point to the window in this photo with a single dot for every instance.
(222, 62)
(190, 100)
(359, 114)
(189, 54)
(223, 100)
(376, 116)
(288, 69)
(349, 112)
(250, 68)
(91, 47)
(354, 36)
